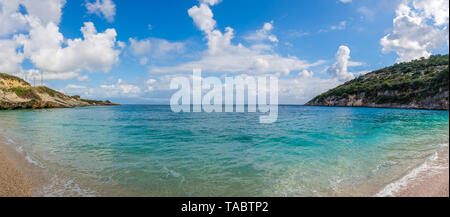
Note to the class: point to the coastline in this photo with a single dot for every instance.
(430, 179)
(379, 106)
(12, 182)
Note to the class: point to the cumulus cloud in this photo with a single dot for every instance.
(300, 89)
(224, 56)
(107, 8)
(203, 17)
(46, 47)
(263, 34)
(438, 10)
(121, 88)
(104, 91)
(340, 67)
(30, 31)
(306, 74)
(13, 20)
(154, 48)
(10, 60)
(412, 36)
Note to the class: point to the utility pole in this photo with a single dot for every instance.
(42, 77)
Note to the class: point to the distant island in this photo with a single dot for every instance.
(419, 84)
(15, 93)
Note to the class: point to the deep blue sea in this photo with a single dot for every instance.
(146, 150)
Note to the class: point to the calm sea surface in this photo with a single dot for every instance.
(143, 150)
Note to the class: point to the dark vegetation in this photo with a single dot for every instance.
(401, 83)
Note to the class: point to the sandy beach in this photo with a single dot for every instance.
(12, 182)
(431, 179)
(433, 186)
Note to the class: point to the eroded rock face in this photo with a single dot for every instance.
(18, 94)
(437, 102)
(419, 84)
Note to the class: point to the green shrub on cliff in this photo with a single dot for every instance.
(401, 83)
(11, 77)
(25, 92)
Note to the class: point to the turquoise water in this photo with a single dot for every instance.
(143, 150)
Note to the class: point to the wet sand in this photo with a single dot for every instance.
(12, 182)
(431, 183)
(433, 186)
(431, 179)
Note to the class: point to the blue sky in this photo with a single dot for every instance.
(130, 49)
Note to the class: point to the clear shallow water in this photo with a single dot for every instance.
(141, 150)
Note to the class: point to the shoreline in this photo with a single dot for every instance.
(380, 107)
(18, 178)
(12, 181)
(430, 179)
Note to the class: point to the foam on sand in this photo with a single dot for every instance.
(434, 165)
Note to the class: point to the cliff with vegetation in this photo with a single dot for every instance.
(420, 84)
(16, 93)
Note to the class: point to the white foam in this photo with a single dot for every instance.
(19, 149)
(65, 188)
(10, 141)
(429, 167)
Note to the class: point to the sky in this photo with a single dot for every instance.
(128, 51)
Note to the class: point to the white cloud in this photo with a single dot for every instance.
(10, 60)
(223, 56)
(121, 88)
(41, 42)
(345, 1)
(154, 48)
(74, 86)
(150, 81)
(438, 10)
(306, 74)
(366, 12)
(300, 90)
(340, 68)
(203, 17)
(412, 37)
(263, 34)
(12, 20)
(32, 74)
(46, 10)
(107, 8)
(340, 26)
(211, 2)
(46, 47)
(83, 78)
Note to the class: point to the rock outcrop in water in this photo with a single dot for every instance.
(420, 84)
(15, 93)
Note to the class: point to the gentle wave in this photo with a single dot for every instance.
(60, 187)
(429, 167)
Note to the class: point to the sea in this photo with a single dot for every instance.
(148, 150)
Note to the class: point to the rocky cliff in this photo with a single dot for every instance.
(420, 84)
(16, 93)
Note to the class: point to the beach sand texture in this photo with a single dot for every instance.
(429, 181)
(12, 181)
